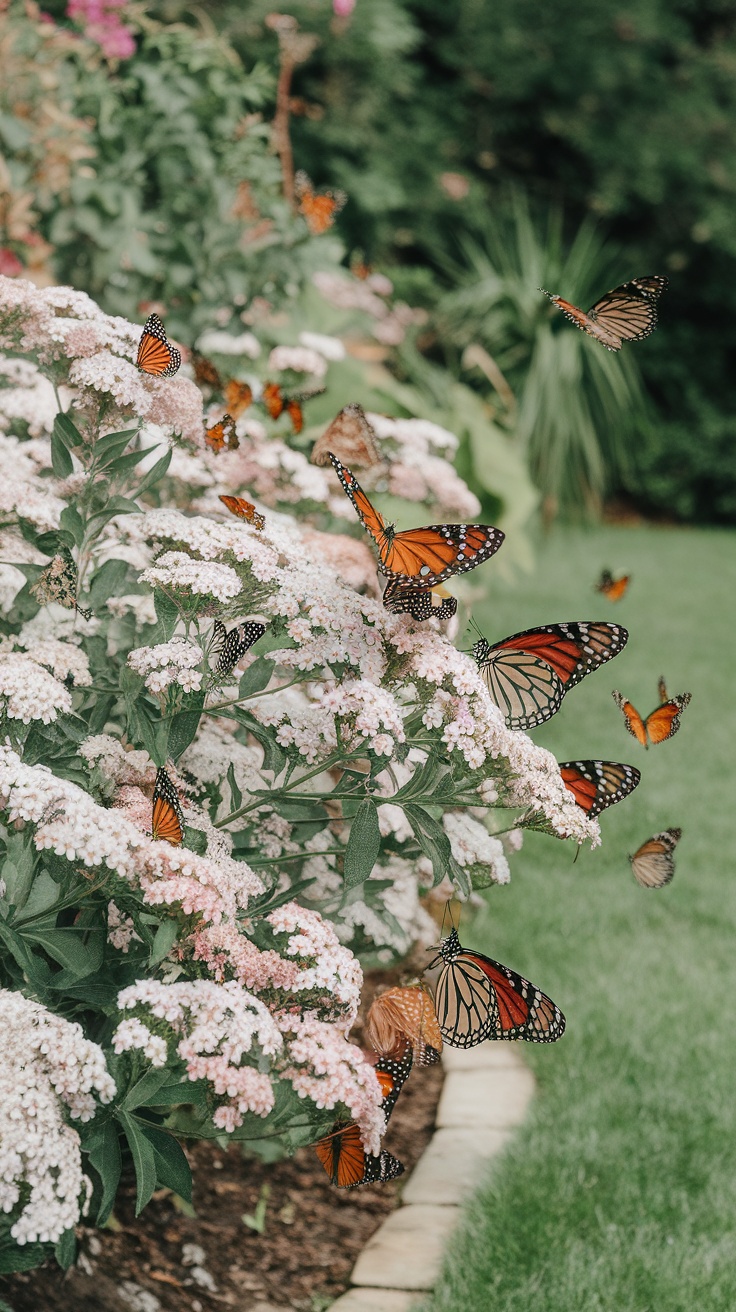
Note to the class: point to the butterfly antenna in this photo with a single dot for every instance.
(577, 854)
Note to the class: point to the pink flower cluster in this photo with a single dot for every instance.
(101, 22)
(177, 662)
(321, 1065)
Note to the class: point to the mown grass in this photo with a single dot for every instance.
(619, 1192)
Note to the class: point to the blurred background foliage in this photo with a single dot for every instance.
(479, 146)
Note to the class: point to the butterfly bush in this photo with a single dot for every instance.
(349, 766)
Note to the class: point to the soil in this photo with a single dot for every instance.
(313, 1232)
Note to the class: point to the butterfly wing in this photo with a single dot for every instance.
(477, 998)
(628, 313)
(205, 372)
(596, 785)
(653, 863)
(525, 689)
(405, 1013)
(372, 522)
(238, 397)
(222, 434)
(156, 356)
(348, 1165)
(236, 643)
(295, 413)
(634, 723)
(351, 437)
(167, 821)
(273, 399)
(665, 721)
(421, 603)
(243, 509)
(433, 554)
(612, 589)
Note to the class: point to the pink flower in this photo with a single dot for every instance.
(343, 8)
(10, 265)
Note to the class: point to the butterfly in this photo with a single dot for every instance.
(238, 397)
(228, 648)
(626, 314)
(528, 674)
(341, 1152)
(350, 436)
(612, 589)
(244, 510)
(403, 1013)
(477, 998)
(205, 372)
(276, 403)
(222, 435)
(167, 820)
(319, 209)
(596, 785)
(421, 603)
(652, 864)
(156, 355)
(420, 555)
(661, 724)
(58, 581)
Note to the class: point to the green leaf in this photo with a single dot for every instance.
(14, 1258)
(115, 506)
(66, 431)
(61, 462)
(167, 614)
(65, 1250)
(163, 940)
(156, 472)
(17, 870)
(423, 782)
(236, 797)
(183, 728)
(256, 677)
(274, 756)
(172, 1167)
(65, 946)
(431, 838)
(129, 461)
(107, 582)
(111, 444)
(43, 894)
(364, 844)
(143, 1092)
(72, 521)
(104, 1155)
(144, 1159)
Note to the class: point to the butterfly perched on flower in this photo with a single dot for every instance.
(653, 864)
(427, 556)
(156, 355)
(319, 209)
(58, 581)
(243, 509)
(661, 723)
(626, 314)
(226, 649)
(401, 1013)
(222, 435)
(421, 603)
(341, 1152)
(596, 785)
(477, 998)
(612, 589)
(351, 437)
(167, 820)
(238, 397)
(528, 674)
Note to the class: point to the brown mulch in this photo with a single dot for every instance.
(302, 1260)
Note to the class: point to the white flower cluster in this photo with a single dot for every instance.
(28, 692)
(176, 570)
(64, 659)
(472, 845)
(119, 765)
(177, 661)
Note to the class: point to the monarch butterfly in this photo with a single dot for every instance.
(420, 555)
(156, 355)
(228, 648)
(244, 510)
(421, 603)
(528, 674)
(626, 314)
(596, 785)
(276, 403)
(661, 724)
(612, 589)
(318, 208)
(238, 396)
(205, 372)
(167, 819)
(477, 998)
(341, 1152)
(222, 435)
(652, 864)
(405, 1013)
(350, 436)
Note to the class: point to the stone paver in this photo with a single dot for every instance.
(377, 1300)
(493, 1054)
(453, 1165)
(407, 1251)
(496, 1099)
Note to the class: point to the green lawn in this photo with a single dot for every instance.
(619, 1192)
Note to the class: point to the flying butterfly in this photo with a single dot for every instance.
(243, 509)
(612, 589)
(276, 402)
(156, 355)
(226, 649)
(222, 435)
(403, 1013)
(351, 437)
(626, 314)
(658, 726)
(477, 998)
(238, 397)
(596, 785)
(427, 556)
(421, 603)
(167, 819)
(528, 674)
(652, 864)
(341, 1152)
(205, 372)
(319, 209)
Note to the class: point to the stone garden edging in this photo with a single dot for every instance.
(484, 1098)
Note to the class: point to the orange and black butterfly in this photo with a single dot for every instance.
(477, 998)
(421, 603)
(626, 314)
(319, 209)
(277, 402)
(167, 819)
(205, 372)
(661, 724)
(341, 1152)
(427, 556)
(351, 437)
(243, 509)
(238, 397)
(226, 649)
(156, 355)
(222, 435)
(612, 589)
(596, 785)
(652, 864)
(528, 674)
(403, 1013)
